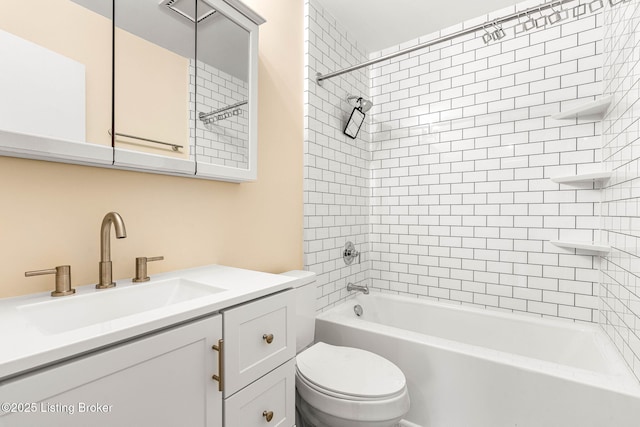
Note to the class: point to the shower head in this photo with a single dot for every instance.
(358, 101)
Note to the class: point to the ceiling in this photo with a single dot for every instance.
(378, 24)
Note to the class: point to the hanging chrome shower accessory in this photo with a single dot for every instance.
(222, 113)
(360, 107)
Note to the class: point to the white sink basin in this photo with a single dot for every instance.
(74, 312)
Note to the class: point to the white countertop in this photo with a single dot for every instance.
(24, 346)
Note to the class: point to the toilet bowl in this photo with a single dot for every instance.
(348, 387)
(341, 386)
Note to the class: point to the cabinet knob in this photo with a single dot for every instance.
(268, 338)
(268, 415)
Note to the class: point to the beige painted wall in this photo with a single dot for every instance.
(50, 213)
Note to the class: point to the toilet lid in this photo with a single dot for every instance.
(350, 371)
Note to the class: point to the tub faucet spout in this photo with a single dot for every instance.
(364, 289)
(106, 279)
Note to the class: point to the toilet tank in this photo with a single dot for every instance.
(305, 289)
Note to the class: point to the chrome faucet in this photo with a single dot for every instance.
(364, 289)
(106, 280)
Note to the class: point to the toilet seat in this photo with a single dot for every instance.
(349, 373)
(321, 393)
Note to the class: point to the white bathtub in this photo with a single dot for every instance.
(470, 367)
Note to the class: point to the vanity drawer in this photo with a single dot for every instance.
(258, 337)
(271, 396)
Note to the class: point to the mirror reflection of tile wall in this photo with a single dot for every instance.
(224, 142)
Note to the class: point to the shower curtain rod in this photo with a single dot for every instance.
(494, 22)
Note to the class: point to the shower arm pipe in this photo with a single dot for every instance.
(499, 21)
(204, 116)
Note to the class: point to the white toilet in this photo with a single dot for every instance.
(341, 386)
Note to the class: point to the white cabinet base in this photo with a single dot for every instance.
(160, 380)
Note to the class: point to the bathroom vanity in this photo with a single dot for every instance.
(210, 346)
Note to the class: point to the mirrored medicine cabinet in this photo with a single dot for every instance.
(163, 86)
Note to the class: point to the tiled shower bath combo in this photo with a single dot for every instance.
(472, 182)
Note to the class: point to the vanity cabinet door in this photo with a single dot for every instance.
(159, 380)
(259, 336)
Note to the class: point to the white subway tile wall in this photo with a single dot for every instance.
(226, 143)
(620, 302)
(463, 147)
(336, 167)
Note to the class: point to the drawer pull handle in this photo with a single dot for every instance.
(220, 349)
(268, 338)
(268, 415)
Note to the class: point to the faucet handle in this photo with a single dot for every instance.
(141, 268)
(349, 253)
(63, 279)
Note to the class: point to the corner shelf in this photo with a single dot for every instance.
(591, 109)
(599, 177)
(587, 246)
